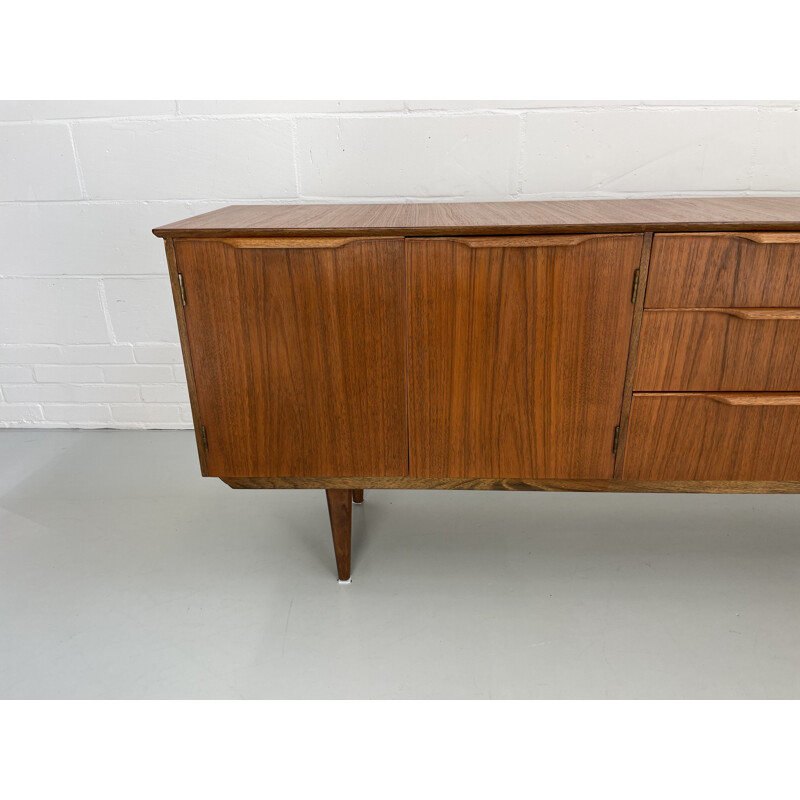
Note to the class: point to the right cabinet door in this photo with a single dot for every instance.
(517, 354)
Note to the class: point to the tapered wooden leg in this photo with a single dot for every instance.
(341, 513)
(358, 495)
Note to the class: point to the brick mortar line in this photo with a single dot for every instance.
(404, 198)
(95, 277)
(100, 403)
(108, 344)
(408, 112)
(77, 163)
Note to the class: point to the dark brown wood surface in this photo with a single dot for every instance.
(522, 485)
(721, 270)
(340, 511)
(714, 437)
(299, 356)
(521, 217)
(517, 354)
(739, 350)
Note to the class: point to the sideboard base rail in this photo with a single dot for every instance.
(521, 484)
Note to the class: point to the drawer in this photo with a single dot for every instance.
(713, 437)
(719, 349)
(711, 270)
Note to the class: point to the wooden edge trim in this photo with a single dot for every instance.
(183, 333)
(740, 313)
(521, 484)
(633, 354)
(708, 228)
(299, 243)
(735, 398)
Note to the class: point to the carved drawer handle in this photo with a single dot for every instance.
(760, 313)
(297, 243)
(555, 240)
(764, 399)
(769, 238)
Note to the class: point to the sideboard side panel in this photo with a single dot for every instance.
(300, 356)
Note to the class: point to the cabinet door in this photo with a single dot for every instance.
(517, 354)
(298, 350)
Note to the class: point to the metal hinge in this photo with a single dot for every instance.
(204, 436)
(635, 289)
(616, 439)
(183, 291)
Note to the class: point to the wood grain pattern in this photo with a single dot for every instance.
(522, 485)
(694, 436)
(300, 357)
(517, 356)
(633, 349)
(340, 511)
(747, 350)
(187, 353)
(713, 271)
(537, 217)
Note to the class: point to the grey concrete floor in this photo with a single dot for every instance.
(124, 574)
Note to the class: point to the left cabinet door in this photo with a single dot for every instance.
(298, 353)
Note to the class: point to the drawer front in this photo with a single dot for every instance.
(712, 270)
(719, 349)
(713, 437)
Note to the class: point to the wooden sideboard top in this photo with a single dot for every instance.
(519, 217)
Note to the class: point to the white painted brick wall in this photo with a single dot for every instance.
(37, 163)
(622, 151)
(472, 155)
(87, 330)
(170, 158)
(141, 309)
(47, 310)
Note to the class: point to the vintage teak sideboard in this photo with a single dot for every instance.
(598, 345)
